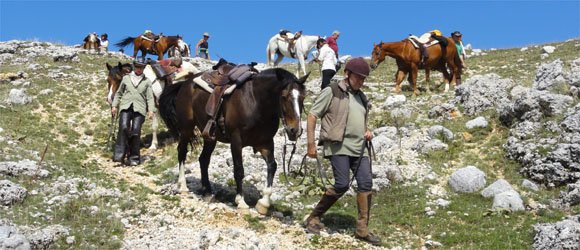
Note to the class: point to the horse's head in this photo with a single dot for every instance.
(378, 55)
(181, 45)
(114, 78)
(292, 103)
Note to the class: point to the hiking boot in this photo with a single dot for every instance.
(313, 224)
(371, 239)
(363, 200)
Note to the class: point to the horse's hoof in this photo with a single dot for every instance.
(152, 148)
(262, 207)
(182, 188)
(243, 211)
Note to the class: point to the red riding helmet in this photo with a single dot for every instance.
(358, 66)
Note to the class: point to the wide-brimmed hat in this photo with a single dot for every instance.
(456, 33)
(206, 34)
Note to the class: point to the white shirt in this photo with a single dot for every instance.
(328, 58)
(105, 43)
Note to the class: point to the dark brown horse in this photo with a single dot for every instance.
(144, 45)
(252, 117)
(114, 78)
(408, 58)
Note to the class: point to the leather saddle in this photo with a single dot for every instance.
(217, 76)
(223, 79)
(426, 40)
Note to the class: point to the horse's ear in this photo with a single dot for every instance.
(120, 65)
(109, 67)
(303, 79)
(374, 44)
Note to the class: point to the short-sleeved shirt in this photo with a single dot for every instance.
(353, 140)
(332, 44)
(460, 50)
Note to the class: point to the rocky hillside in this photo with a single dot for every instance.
(494, 163)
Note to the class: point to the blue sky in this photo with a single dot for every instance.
(240, 30)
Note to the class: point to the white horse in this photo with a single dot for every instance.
(302, 46)
(157, 86)
(181, 50)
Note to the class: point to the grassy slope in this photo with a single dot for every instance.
(398, 217)
(463, 224)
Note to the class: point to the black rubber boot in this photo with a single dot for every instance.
(122, 137)
(135, 141)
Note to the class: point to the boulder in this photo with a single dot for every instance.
(497, 187)
(482, 92)
(23, 167)
(548, 49)
(467, 180)
(530, 185)
(11, 239)
(18, 96)
(438, 130)
(508, 199)
(549, 75)
(560, 235)
(11, 193)
(478, 122)
(434, 145)
(394, 101)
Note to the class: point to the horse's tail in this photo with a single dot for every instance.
(125, 42)
(167, 107)
(268, 53)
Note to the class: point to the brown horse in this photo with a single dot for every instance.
(252, 117)
(144, 45)
(114, 78)
(408, 58)
(91, 41)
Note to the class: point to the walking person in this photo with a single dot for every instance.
(135, 98)
(343, 109)
(203, 47)
(332, 41)
(328, 58)
(460, 50)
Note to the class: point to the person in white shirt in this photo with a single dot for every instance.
(104, 42)
(328, 58)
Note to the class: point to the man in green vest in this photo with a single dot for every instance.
(135, 98)
(343, 110)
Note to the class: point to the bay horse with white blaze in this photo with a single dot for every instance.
(252, 117)
(408, 58)
(144, 45)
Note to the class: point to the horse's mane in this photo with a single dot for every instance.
(117, 69)
(279, 73)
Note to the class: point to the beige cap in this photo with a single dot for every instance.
(206, 34)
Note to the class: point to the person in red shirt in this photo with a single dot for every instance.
(331, 41)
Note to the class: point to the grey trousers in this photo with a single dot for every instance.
(341, 167)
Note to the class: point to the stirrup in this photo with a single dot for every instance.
(208, 133)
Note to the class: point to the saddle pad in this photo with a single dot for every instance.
(413, 40)
(157, 87)
(146, 38)
(205, 86)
